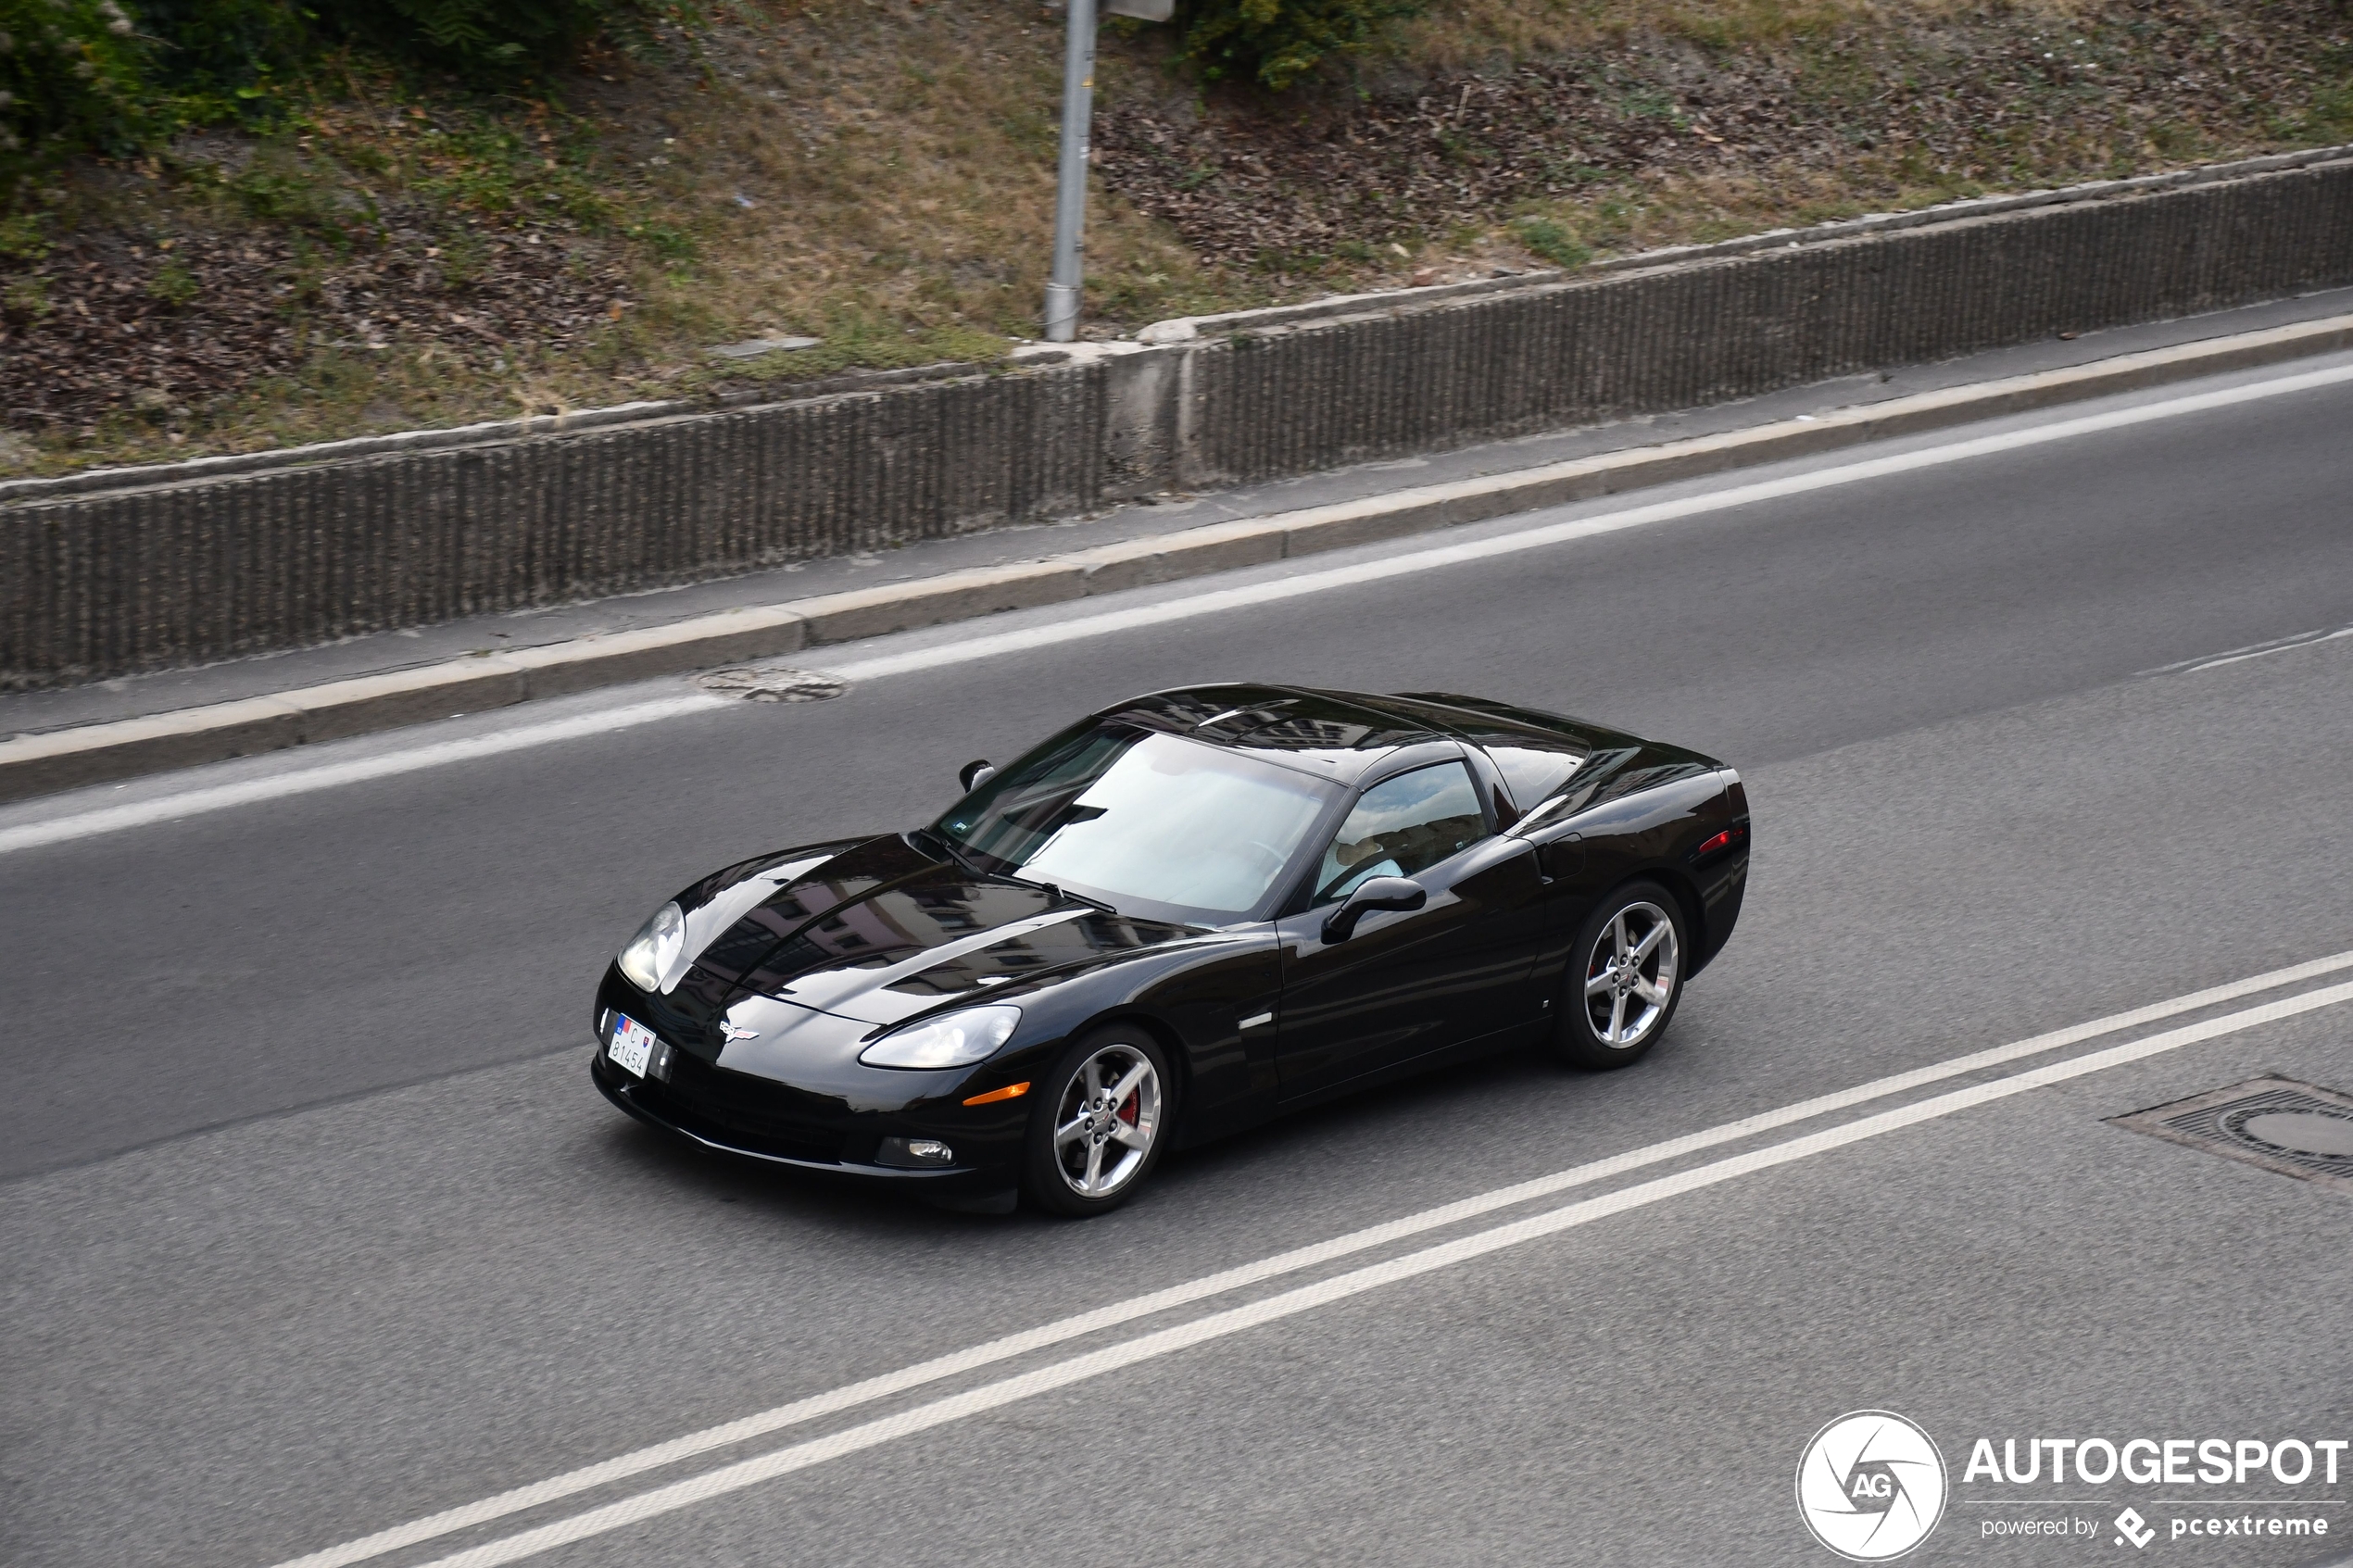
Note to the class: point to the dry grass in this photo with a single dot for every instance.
(903, 164)
(1650, 124)
(879, 174)
(876, 175)
(1471, 34)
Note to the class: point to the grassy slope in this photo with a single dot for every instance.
(1904, 106)
(879, 173)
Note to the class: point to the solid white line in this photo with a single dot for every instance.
(303, 781)
(973, 649)
(2218, 662)
(2249, 650)
(1323, 1293)
(2183, 666)
(1002, 643)
(834, 1400)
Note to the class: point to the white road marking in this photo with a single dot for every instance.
(623, 1466)
(2240, 658)
(1002, 643)
(973, 649)
(1218, 1325)
(331, 775)
(2251, 650)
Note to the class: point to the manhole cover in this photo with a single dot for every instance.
(2295, 1129)
(773, 683)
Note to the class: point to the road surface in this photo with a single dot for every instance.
(315, 1226)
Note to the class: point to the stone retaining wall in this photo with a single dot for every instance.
(100, 585)
(1327, 393)
(169, 570)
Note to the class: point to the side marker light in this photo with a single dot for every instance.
(1723, 840)
(1011, 1091)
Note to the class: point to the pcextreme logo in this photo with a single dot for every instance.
(1870, 1486)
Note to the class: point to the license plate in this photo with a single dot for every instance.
(632, 1046)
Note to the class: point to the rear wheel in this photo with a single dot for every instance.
(1625, 976)
(1098, 1130)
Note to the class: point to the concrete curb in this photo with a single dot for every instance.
(41, 764)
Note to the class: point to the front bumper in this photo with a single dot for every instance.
(739, 1113)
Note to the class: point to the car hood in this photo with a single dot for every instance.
(880, 931)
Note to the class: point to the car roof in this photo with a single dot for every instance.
(1343, 735)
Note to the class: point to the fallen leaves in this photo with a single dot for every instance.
(1250, 182)
(109, 322)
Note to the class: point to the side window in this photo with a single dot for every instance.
(1402, 825)
(1534, 771)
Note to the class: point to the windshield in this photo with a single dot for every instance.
(1132, 813)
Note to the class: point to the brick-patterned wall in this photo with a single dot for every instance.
(100, 584)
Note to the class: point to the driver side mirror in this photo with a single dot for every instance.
(975, 773)
(1374, 893)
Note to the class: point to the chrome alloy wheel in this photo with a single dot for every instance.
(1629, 976)
(1108, 1118)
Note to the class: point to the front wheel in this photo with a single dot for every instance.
(1098, 1130)
(1625, 976)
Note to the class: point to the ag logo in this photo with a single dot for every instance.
(1871, 1485)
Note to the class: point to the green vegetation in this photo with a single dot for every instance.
(496, 41)
(1548, 238)
(246, 224)
(26, 298)
(1275, 43)
(71, 80)
(105, 77)
(173, 284)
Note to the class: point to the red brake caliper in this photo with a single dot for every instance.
(1128, 1110)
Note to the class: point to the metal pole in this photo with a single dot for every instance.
(1070, 195)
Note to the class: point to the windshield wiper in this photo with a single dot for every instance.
(957, 852)
(1061, 894)
(933, 842)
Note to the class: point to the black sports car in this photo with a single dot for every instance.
(1179, 916)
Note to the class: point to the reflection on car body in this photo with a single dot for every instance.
(1179, 916)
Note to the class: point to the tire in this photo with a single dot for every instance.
(1085, 1156)
(1613, 1011)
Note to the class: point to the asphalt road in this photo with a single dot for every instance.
(315, 1226)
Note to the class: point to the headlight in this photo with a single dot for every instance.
(655, 948)
(958, 1040)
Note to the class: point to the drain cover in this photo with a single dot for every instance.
(773, 683)
(2301, 1132)
(2295, 1129)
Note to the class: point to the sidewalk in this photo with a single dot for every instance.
(79, 734)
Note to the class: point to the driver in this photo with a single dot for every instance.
(1348, 865)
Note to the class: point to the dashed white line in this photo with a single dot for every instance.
(2251, 650)
(1216, 602)
(2240, 658)
(1000, 644)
